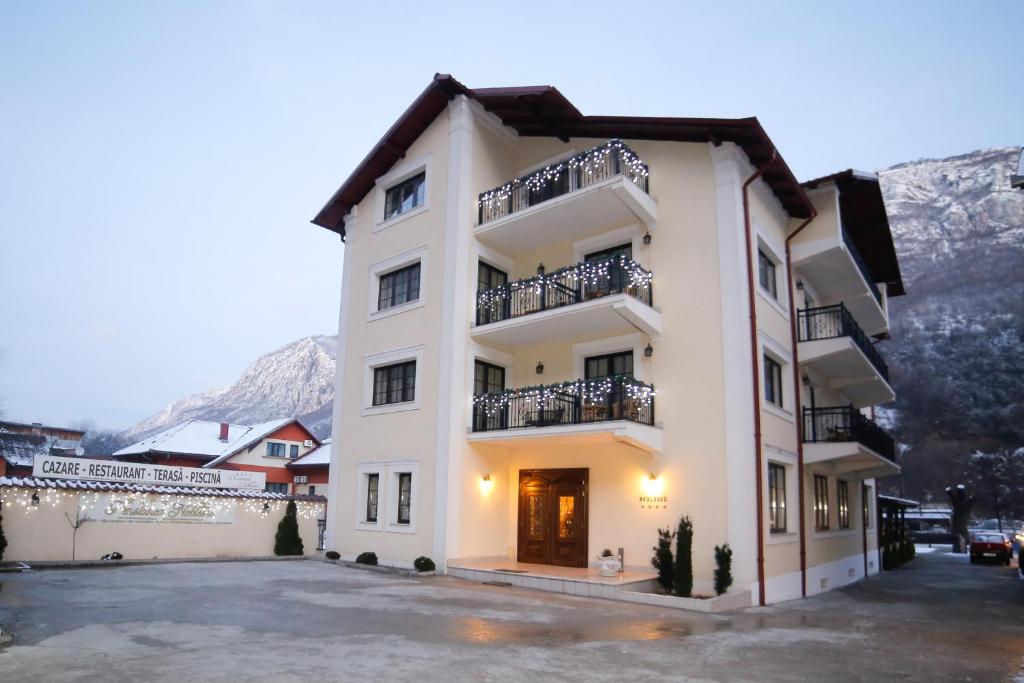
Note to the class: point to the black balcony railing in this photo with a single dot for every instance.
(563, 287)
(831, 322)
(830, 425)
(568, 403)
(862, 266)
(588, 168)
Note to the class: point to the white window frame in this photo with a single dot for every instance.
(776, 252)
(390, 265)
(376, 360)
(394, 469)
(490, 355)
(396, 175)
(778, 353)
(788, 460)
(364, 470)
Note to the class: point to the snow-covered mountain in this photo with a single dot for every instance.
(297, 379)
(957, 348)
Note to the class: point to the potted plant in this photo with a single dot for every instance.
(608, 564)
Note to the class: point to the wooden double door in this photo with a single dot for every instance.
(553, 517)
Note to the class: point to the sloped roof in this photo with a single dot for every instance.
(541, 110)
(864, 216)
(201, 438)
(77, 485)
(318, 456)
(21, 449)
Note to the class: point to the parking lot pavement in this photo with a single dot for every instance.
(937, 619)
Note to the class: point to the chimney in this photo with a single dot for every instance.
(224, 431)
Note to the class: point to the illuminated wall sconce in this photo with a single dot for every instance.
(648, 351)
(486, 484)
(540, 367)
(266, 508)
(647, 238)
(653, 485)
(35, 499)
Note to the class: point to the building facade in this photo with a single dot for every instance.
(268, 447)
(21, 442)
(559, 333)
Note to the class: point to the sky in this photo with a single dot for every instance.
(160, 162)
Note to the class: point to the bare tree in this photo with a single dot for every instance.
(81, 519)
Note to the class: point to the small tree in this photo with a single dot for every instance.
(723, 571)
(662, 560)
(287, 541)
(683, 568)
(81, 519)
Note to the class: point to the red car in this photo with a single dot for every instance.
(990, 545)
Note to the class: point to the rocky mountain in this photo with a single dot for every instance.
(297, 379)
(957, 348)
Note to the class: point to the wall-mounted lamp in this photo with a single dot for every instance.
(540, 268)
(486, 484)
(540, 367)
(647, 238)
(648, 351)
(806, 380)
(799, 284)
(266, 508)
(35, 499)
(653, 485)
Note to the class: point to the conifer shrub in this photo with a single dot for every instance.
(367, 558)
(662, 560)
(423, 564)
(682, 569)
(723, 568)
(287, 541)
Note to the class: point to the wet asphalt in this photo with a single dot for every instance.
(937, 619)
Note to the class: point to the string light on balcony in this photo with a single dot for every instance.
(587, 390)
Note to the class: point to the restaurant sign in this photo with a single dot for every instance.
(56, 467)
(140, 508)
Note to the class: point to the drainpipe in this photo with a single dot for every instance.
(798, 408)
(756, 375)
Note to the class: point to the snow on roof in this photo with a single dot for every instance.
(40, 483)
(318, 456)
(202, 438)
(22, 449)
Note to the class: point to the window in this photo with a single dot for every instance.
(372, 493)
(405, 196)
(404, 497)
(293, 451)
(312, 491)
(394, 383)
(276, 488)
(820, 502)
(766, 273)
(608, 365)
(489, 277)
(275, 450)
(612, 252)
(487, 379)
(772, 381)
(399, 287)
(776, 498)
(843, 504)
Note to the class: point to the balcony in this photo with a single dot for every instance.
(603, 187)
(597, 298)
(839, 273)
(615, 408)
(843, 436)
(834, 345)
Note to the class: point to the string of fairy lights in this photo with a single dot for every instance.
(589, 274)
(30, 500)
(593, 162)
(587, 390)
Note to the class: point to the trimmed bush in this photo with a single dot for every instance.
(662, 560)
(287, 541)
(423, 564)
(682, 569)
(367, 558)
(723, 571)
(332, 555)
(607, 553)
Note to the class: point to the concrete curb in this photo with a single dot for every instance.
(94, 564)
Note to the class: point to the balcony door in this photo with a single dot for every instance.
(488, 379)
(489, 277)
(613, 405)
(553, 517)
(616, 281)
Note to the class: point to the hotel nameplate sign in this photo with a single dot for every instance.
(156, 509)
(55, 467)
